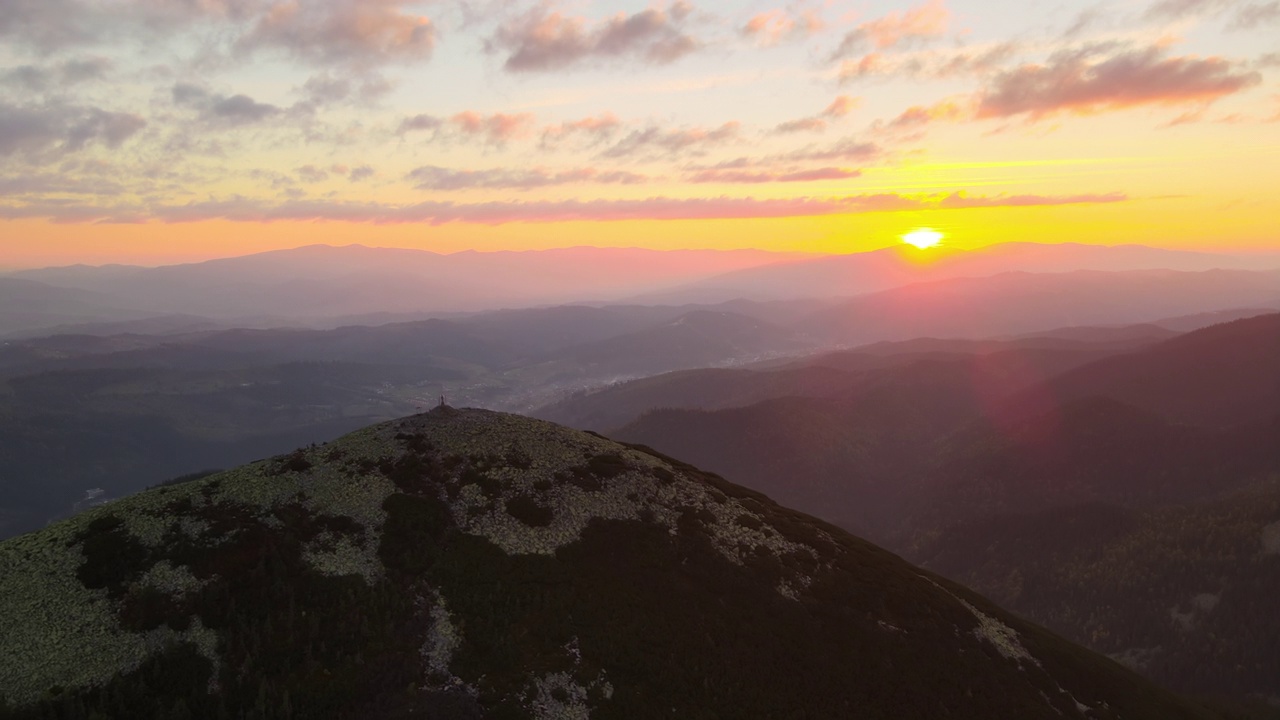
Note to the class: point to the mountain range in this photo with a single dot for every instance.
(324, 286)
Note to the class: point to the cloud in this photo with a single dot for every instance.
(544, 39)
(963, 201)
(361, 173)
(223, 110)
(239, 110)
(36, 130)
(808, 124)
(1177, 9)
(755, 177)
(1256, 15)
(358, 33)
(929, 20)
(329, 88)
(420, 122)
(1075, 82)
(920, 115)
(839, 108)
(59, 76)
(932, 64)
(774, 26)
(311, 174)
(495, 129)
(241, 209)
(597, 129)
(658, 141)
(846, 150)
(431, 177)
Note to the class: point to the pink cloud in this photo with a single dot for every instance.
(497, 128)
(926, 21)
(842, 106)
(597, 128)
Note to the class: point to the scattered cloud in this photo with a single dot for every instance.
(243, 209)
(764, 176)
(807, 124)
(420, 122)
(361, 173)
(597, 129)
(839, 108)
(495, 129)
(39, 131)
(846, 150)
(1256, 15)
(239, 110)
(431, 177)
(222, 110)
(1177, 9)
(926, 21)
(931, 64)
(59, 76)
(1078, 83)
(311, 174)
(354, 33)
(655, 140)
(774, 26)
(920, 115)
(544, 39)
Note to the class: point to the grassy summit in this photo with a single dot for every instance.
(471, 564)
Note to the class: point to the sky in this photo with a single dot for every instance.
(155, 131)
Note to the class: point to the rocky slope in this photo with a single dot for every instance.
(470, 564)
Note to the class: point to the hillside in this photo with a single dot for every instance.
(472, 564)
(1181, 592)
(1221, 375)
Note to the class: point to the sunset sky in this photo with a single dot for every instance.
(151, 131)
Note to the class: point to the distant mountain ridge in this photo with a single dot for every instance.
(313, 283)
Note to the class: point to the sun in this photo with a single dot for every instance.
(923, 238)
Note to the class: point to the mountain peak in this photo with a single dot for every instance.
(464, 563)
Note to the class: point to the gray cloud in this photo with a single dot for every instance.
(1078, 82)
(58, 76)
(225, 110)
(239, 110)
(1256, 15)
(36, 130)
(361, 173)
(311, 174)
(543, 39)
(1175, 9)
(420, 122)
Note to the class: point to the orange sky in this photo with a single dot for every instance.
(144, 132)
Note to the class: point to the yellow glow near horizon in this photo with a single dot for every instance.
(923, 238)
